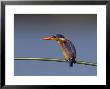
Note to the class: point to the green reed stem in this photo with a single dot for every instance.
(57, 60)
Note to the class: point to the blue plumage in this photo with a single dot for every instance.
(72, 52)
(60, 36)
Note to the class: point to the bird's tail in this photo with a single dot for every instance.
(71, 61)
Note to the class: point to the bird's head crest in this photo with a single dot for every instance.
(60, 36)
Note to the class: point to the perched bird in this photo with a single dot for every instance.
(66, 47)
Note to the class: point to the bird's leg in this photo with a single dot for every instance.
(72, 60)
(65, 59)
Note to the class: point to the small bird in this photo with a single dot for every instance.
(66, 46)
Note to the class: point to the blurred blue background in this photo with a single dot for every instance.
(81, 29)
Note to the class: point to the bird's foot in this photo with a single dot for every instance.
(74, 61)
(66, 60)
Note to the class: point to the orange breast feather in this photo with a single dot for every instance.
(64, 51)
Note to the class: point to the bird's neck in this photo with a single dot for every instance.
(60, 42)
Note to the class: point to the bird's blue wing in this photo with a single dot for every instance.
(70, 48)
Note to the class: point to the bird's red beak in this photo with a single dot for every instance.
(46, 38)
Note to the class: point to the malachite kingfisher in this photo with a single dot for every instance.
(66, 46)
